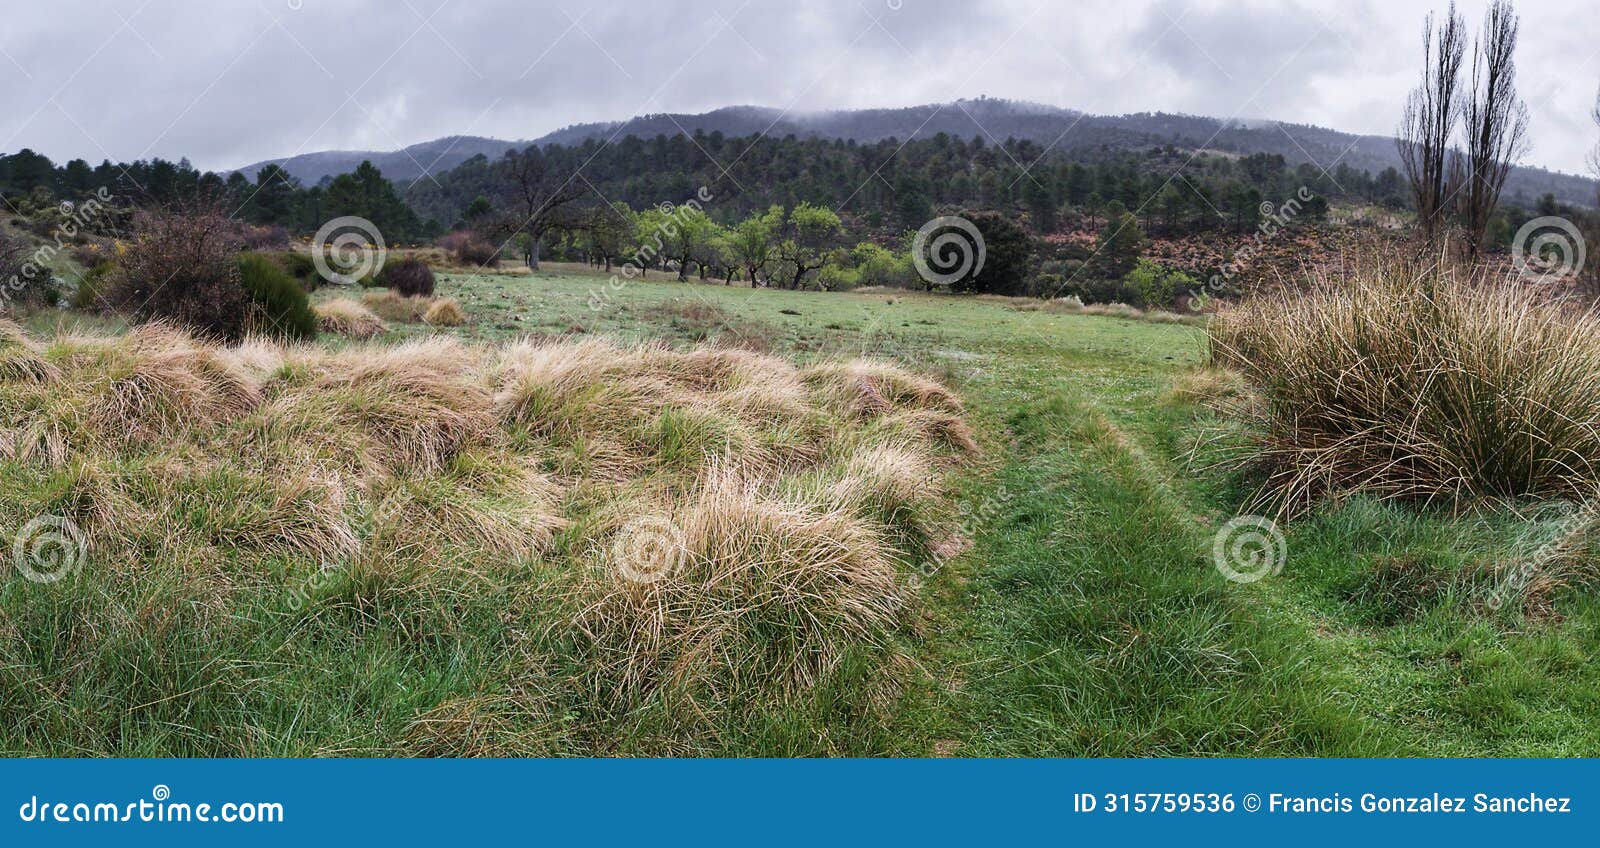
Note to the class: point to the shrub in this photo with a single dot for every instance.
(21, 278)
(181, 265)
(90, 293)
(279, 307)
(1090, 289)
(90, 253)
(449, 242)
(879, 266)
(409, 277)
(1155, 285)
(835, 278)
(1008, 256)
(300, 266)
(1420, 384)
(469, 249)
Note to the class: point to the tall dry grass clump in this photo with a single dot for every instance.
(21, 359)
(648, 406)
(383, 410)
(95, 394)
(1419, 383)
(445, 312)
(346, 317)
(747, 593)
(393, 306)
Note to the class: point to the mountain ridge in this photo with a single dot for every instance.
(1062, 130)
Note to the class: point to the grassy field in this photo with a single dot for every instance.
(1085, 619)
(1088, 619)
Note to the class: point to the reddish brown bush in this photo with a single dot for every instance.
(480, 254)
(451, 241)
(180, 266)
(408, 277)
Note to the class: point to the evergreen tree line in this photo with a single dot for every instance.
(880, 187)
(887, 186)
(30, 181)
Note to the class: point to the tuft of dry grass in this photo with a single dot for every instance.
(759, 595)
(445, 312)
(486, 504)
(348, 318)
(21, 360)
(1418, 383)
(412, 406)
(869, 388)
(1218, 388)
(84, 393)
(393, 306)
(650, 404)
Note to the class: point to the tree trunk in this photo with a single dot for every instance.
(533, 255)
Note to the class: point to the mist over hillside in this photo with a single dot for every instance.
(1064, 132)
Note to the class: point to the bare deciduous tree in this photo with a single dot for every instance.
(1594, 155)
(534, 198)
(1594, 167)
(1429, 122)
(1495, 120)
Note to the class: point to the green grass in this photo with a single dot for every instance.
(1086, 619)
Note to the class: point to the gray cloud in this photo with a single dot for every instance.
(234, 81)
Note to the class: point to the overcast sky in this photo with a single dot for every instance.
(230, 82)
